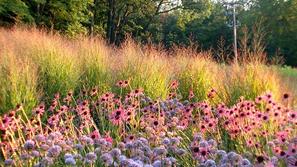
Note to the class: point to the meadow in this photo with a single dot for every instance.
(83, 102)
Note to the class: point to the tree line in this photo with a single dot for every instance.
(168, 22)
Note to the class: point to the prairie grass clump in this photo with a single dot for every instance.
(196, 73)
(95, 64)
(147, 69)
(18, 82)
(249, 80)
(58, 64)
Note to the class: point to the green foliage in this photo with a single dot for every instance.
(279, 26)
(14, 11)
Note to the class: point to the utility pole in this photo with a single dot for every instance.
(232, 5)
(235, 33)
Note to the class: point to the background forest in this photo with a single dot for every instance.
(271, 24)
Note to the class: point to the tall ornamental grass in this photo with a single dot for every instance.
(36, 65)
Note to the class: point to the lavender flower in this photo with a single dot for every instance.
(157, 163)
(35, 153)
(9, 162)
(70, 161)
(166, 141)
(91, 156)
(29, 145)
(106, 158)
(115, 152)
(54, 151)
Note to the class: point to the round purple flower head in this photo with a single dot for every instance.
(8, 162)
(54, 151)
(70, 161)
(29, 145)
(91, 156)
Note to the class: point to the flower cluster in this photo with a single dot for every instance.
(135, 130)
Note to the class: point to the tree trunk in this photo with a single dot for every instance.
(110, 21)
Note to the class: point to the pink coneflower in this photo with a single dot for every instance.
(292, 150)
(122, 84)
(174, 84)
(95, 134)
(138, 92)
(293, 116)
(108, 138)
(94, 91)
(130, 138)
(191, 94)
(259, 99)
(250, 143)
(117, 116)
(211, 94)
(286, 96)
(11, 114)
(282, 136)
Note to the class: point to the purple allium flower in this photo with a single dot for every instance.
(25, 156)
(129, 145)
(122, 158)
(49, 142)
(40, 138)
(54, 151)
(226, 165)
(79, 147)
(231, 154)
(115, 152)
(175, 141)
(9, 162)
(157, 163)
(236, 159)
(121, 146)
(100, 142)
(203, 144)
(87, 140)
(106, 158)
(212, 142)
(210, 163)
(274, 159)
(67, 155)
(246, 162)
(145, 160)
(29, 145)
(138, 163)
(160, 151)
(144, 140)
(47, 161)
(166, 141)
(137, 143)
(35, 153)
(180, 152)
(167, 162)
(221, 153)
(91, 156)
(69, 142)
(44, 147)
(70, 161)
(197, 137)
(78, 157)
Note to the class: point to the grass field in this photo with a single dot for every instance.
(98, 85)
